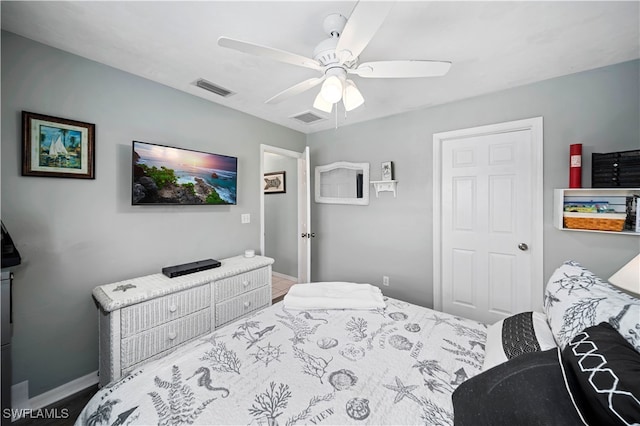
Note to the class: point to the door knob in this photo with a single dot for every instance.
(523, 246)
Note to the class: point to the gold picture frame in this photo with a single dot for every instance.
(57, 147)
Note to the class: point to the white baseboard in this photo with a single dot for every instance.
(20, 395)
(286, 277)
(61, 392)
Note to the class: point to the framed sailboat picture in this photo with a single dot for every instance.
(57, 147)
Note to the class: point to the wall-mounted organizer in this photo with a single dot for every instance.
(385, 185)
(582, 210)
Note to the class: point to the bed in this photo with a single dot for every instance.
(402, 364)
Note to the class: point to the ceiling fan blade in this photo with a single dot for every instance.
(269, 52)
(401, 69)
(295, 90)
(362, 25)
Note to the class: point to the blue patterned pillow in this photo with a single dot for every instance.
(576, 299)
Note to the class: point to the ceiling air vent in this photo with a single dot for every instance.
(207, 85)
(308, 117)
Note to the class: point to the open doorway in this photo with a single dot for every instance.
(285, 216)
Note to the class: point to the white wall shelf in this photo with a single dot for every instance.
(385, 185)
(588, 194)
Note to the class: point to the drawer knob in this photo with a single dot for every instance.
(247, 304)
(172, 335)
(246, 283)
(173, 308)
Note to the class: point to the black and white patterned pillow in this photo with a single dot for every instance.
(575, 299)
(603, 374)
(518, 334)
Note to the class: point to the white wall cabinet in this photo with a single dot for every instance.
(147, 317)
(614, 196)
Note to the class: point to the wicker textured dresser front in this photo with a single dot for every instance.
(147, 317)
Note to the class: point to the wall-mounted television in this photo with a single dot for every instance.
(165, 175)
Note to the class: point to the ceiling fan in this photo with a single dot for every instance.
(337, 57)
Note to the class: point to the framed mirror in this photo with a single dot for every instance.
(342, 183)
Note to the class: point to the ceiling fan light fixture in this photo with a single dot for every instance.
(321, 104)
(332, 89)
(352, 97)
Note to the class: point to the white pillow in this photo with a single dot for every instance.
(576, 299)
(515, 335)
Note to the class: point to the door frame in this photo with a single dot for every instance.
(535, 125)
(303, 197)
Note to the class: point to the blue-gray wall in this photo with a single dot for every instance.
(281, 217)
(76, 234)
(393, 236)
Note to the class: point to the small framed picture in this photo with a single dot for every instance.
(57, 147)
(387, 170)
(275, 183)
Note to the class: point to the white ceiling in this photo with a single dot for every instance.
(492, 45)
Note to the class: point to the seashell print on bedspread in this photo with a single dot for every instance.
(397, 366)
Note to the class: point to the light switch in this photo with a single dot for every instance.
(245, 218)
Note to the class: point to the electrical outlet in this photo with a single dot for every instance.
(385, 280)
(245, 218)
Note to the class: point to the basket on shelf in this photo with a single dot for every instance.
(595, 221)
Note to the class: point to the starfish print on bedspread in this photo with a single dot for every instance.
(438, 320)
(403, 391)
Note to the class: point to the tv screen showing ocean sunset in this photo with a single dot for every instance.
(169, 175)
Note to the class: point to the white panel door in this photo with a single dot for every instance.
(486, 228)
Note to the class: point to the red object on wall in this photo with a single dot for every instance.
(575, 165)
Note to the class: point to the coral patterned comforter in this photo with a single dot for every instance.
(397, 365)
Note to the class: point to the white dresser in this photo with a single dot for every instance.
(144, 318)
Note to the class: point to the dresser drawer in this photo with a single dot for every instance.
(151, 342)
(233, 286)
(146, 315)
(241, 305)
